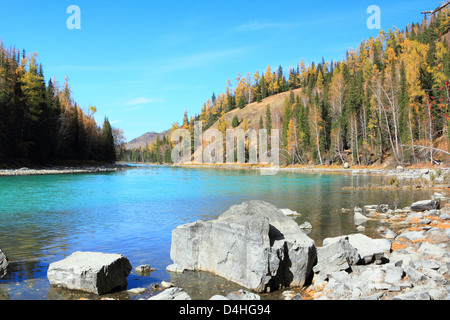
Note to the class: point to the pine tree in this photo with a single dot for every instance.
(235, 122)
(109, 151)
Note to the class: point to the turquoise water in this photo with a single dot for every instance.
(133, 212)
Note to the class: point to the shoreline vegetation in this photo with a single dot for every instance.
(66, 168)
(419, 176)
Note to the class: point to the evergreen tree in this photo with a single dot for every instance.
(109, 151)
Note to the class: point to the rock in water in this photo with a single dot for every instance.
(253, 244)
(359, 218)
(3, 263)
(92, 272)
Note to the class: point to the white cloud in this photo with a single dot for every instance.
(142, 100)
(258, 25)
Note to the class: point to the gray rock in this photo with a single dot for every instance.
(218, 297)
(438, 293)
(336, 256)
(145, 268)
(425, 205)
(393, 274)
(93, 272)
(424, 221)
(253, 244)
(445, 216)
(137, 291)
(176, 268)
(414, 274)
(434, 213)
(431, 249)
(389, 234)
(369, 249)
(382, 208)
(166, 285)
(290, 212)
(412, 235)
(173, 293)
(243, 295)
(3, 263)
(359, 218)
(305, 225)
(413, 295)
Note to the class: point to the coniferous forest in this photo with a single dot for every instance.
(387, 99)
(39, 121)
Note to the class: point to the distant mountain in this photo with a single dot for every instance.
(145, 139)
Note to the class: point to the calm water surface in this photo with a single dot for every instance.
(133, 212)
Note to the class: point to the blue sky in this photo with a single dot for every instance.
(143, 62)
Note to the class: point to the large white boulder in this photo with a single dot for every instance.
(92, 272)
(253, 244)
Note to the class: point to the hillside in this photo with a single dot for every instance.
(145, 140)
(386, 101)
(255, 110)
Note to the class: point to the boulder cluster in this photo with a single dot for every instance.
(263, 249)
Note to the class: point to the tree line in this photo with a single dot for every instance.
(388, 98)
(39, 121)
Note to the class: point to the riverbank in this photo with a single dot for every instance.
(56, 170)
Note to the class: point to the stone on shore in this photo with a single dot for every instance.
(3, 263)
(425, 205)
(93, 272)
(253, 244)
(335, 257)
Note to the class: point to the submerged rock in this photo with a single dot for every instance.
(359, 218)
(144, 269)
(253, 244)
(93, 272)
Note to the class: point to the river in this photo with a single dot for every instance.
(133, 212)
